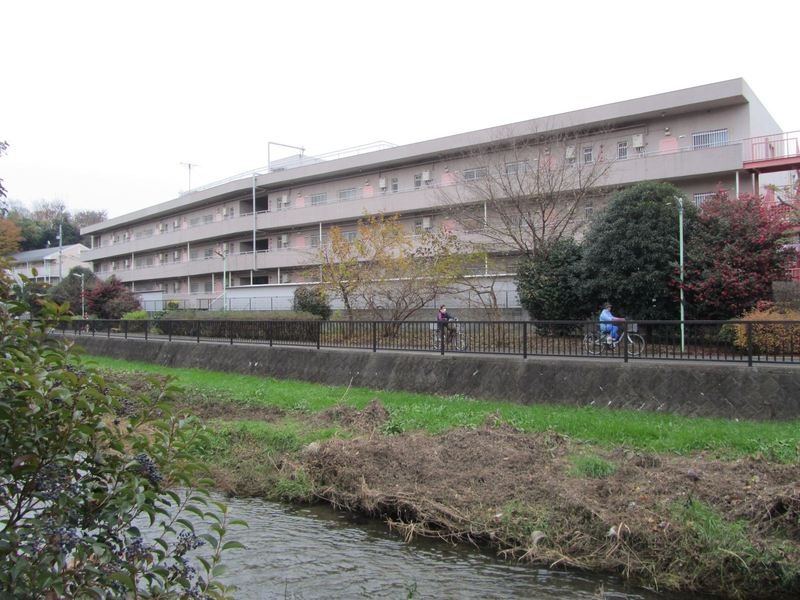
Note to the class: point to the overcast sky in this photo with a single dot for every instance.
(101, 102)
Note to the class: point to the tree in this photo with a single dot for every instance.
(83, 218)
(524, 196)
(68, 291)
(111, 299)
(551, 286)
(340, 268)
(312, 300)
(387, 272)
(735, 255)
(400, 275)
(82, 466)
(631, 251)
(41, 227)
(10, 237)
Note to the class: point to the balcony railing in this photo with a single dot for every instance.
(772, 147)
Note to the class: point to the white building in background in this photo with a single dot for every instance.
(50, 264)
(262, 229)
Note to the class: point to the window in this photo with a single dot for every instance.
(588, 211)
(208, 253)
(517, 168)
(702, 197)
(176, 287)
(195, 287)
(144, 261)
(709, 139)
(283, 240)
(283, 202)
(208, 287)
(350, 236)
(313, 240)
(588, 155)
(347, 195)
(417, 181)
(422, 224)
(163, 228)
(320, 198)
(395, 185)
(474, 174)
(622, 150)
(569, 154)
(229, 213)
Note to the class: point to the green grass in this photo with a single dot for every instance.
(594, 467)
(655, 432)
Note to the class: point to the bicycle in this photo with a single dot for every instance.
(596, 342)
(454, 336)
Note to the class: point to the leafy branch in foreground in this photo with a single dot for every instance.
(100, 490)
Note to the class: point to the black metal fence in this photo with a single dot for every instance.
(747, 342)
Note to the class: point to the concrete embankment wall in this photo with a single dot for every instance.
(711, 390)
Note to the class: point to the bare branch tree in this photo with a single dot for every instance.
(523, 195)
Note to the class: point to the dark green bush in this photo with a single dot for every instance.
(314, 300)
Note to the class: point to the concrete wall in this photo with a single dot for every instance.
(709, 390)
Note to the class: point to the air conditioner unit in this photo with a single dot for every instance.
(638, 140)
(570, 153)
(284, 239)
(426, 222)
(127, 263)
(382, 183)
(426, 176)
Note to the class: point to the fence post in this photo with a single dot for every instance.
(319, 332)
(749, 325)
(625, 345)
(197, 325)
(524, 339)
(269, 332)
(442, 327)
(374, 336)
(169, 324)
(146, 329)
(230, 331)
(126, 329)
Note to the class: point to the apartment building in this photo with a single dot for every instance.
(49, 264)
(255, 236)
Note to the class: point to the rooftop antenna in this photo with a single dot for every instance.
(189, 166)
(270, 144)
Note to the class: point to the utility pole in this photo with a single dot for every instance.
(60, 247)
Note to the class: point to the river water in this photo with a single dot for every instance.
(315, 552)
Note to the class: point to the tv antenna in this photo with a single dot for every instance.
(189, 166)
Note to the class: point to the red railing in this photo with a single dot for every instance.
(771, 147)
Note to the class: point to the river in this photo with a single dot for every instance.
(316, 552)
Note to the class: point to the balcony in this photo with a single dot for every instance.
(772, 153)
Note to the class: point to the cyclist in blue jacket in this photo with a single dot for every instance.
(607, 321)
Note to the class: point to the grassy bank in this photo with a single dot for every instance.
(698, 505)
(644, 431)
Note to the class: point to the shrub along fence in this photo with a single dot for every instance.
(747, 342)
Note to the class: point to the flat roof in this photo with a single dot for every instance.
(703, 97)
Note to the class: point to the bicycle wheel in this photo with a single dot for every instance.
(635, 344)
(592, 343)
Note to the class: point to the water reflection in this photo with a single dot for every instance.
(311, 553)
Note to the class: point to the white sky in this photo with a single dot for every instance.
(102, 101)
